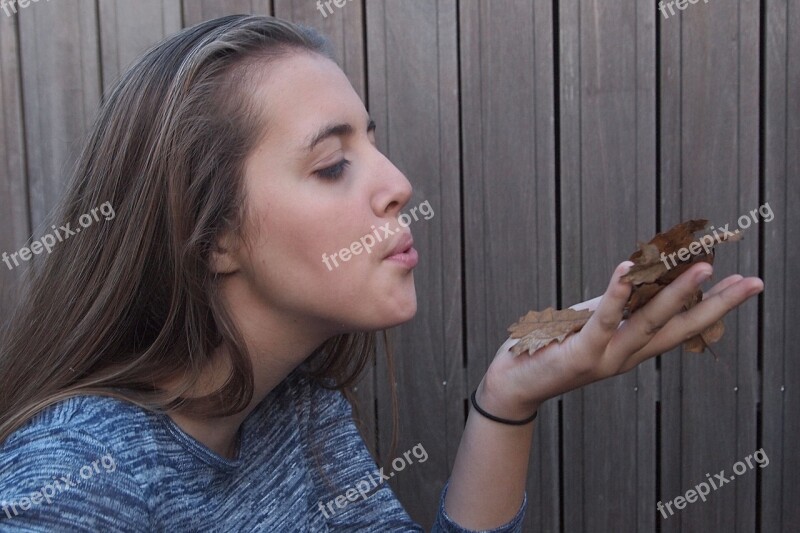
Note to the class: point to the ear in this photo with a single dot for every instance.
(224, 258)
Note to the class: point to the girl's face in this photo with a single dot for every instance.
(318, 194)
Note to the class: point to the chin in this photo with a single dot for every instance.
(398, 314)
(405, 313)
(405, 318)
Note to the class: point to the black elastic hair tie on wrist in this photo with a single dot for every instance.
(497, 418)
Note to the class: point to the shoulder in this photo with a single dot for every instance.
(105, 419)
(79, 456)
(82, 431)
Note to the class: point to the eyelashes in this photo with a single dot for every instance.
(333, 172)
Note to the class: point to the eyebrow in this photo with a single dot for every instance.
(334, 130)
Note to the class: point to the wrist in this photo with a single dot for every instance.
(498, 402)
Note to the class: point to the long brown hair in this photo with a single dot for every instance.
(132, 302)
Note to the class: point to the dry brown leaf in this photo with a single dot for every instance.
(649, 274)
(540, 328)
(710, 335)
(652, 268)
(652, 271)
(647, 264)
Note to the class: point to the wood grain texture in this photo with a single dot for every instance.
(780, 408)
(509, 203)
(608, 136)
(128, 29)
(718, 179)
(548, 138)
(59, 55)
(14, 213)
(196, 11)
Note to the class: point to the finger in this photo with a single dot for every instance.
(692, 322)
(588, 304)
(643, 325)
(506, 346)
(604, 322)
(592, 304)
(722, 285)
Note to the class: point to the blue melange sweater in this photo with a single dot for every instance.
(98, 464)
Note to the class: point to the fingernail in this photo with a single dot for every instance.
(704, 275)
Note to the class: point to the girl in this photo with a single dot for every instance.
(181, 366)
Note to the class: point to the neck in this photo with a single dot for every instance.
(277, 342)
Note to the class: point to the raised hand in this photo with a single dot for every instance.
(515, 386)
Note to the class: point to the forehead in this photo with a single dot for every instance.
(300, 92)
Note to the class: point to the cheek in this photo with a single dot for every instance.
(317, 237)
(296, 240)
(296, 259)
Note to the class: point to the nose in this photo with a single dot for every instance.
(394, 190)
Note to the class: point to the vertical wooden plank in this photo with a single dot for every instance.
(646, 389)
(413, 99)
(127, 29)
(571, 257)
(509, 198)
(448, 237)
(61, 87)
(747, 388)
(781, 400)
(543, 486)
(13, 186)
(196, 11)
(607, 126)
(719, 182)
(670, 454)
(718, 167)
(776, 237)
(613, 118)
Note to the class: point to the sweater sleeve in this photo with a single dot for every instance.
(67, 481)
(358, 497)
(445, 524)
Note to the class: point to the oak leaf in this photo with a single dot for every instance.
(656, 264)
(650, 273)
(647, 264)
(538, 329)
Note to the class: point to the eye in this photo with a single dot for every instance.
(335, 171)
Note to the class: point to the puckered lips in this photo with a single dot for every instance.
(403, 252)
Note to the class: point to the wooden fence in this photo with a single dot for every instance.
(549, 137)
